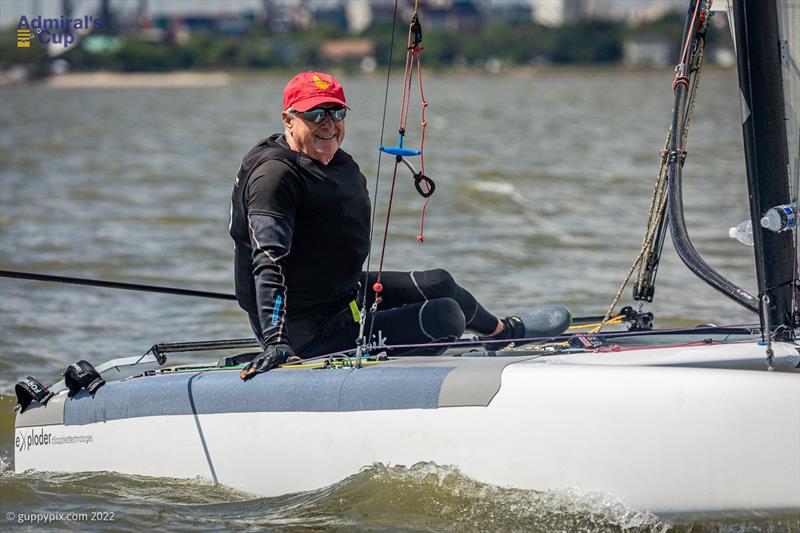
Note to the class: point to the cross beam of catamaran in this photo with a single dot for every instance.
(583, 333)
(638, 321)
(34, 276)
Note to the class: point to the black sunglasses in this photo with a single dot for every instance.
(317, 114)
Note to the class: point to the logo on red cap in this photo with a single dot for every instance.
(320, 83)
(310, 89)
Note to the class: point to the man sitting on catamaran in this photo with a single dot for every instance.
(300, 221)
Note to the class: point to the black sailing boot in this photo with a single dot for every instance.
(544, 322)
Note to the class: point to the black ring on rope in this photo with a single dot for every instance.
(419, 179)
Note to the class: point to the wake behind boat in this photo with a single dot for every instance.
(674, 422)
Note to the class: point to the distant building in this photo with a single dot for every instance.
(337, 50)
(359, 16)
(452, 15)
(647, 13)
(648, 51)
(558, 12)
(509, 14)
(334, 15)
(284, 17)
(382, 11)
(180, 28)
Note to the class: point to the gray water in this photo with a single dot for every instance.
(543, 188)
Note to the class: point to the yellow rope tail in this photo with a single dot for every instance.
(619, 319)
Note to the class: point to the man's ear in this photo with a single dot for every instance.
(287, 118)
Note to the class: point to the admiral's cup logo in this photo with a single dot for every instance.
(62, 31)
(23, 34)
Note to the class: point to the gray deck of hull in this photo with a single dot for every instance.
(410, 383)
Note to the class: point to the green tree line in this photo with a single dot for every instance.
(586, 42)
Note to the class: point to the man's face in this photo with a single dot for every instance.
(317, 141)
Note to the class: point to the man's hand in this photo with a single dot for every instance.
(272, 356)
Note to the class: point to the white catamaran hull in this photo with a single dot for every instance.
(668, 440)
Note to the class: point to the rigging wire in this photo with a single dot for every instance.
(361, 341)
(422, 183)
(380, 154)
(413, 53)
(648, 257)
(677, 225)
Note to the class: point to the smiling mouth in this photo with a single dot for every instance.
(324, 138)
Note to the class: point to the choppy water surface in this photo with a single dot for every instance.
(544, 183)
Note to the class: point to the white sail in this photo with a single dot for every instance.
(789, 34)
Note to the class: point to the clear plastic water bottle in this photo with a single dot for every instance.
(743, 232)
(780, 218)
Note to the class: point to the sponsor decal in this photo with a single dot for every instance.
(34, 385)
(28, 439)
(61, 31)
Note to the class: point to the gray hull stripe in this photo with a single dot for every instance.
(222, 391)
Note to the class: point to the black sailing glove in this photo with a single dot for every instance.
(273, 355)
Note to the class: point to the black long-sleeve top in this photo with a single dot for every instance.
(301, 235)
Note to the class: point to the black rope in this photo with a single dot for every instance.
(378, 173)
(115, 285)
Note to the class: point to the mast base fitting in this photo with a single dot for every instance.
(646, 295)
(638, 321)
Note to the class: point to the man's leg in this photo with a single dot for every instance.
(429, 321)
(402, 288)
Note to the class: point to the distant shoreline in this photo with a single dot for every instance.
(189, 78)
(139, 79)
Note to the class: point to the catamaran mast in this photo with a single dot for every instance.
(766, 152)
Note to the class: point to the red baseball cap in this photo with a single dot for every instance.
(309, 89)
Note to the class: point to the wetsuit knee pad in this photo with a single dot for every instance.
(436, 283)
(442, 319)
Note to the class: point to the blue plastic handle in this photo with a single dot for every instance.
(399, 150)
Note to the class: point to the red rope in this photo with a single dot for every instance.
(404, 106)
(680, 70)
(413, 52)
(423, 124)
(378, 286)
(685, 50)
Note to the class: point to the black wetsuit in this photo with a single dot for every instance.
(301, 235)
